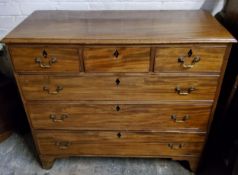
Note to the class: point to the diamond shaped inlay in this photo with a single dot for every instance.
(116, 53)
(117, 81)
(190, 52)
(44, 54)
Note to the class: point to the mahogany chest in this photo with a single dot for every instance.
(119, 83)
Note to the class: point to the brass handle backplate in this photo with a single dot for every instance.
(57, 90)
(174, 118)
(60, 118)
(184, 91)
(175, 146)
(195, 60)
(63, 144)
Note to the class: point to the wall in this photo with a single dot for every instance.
(12, 12)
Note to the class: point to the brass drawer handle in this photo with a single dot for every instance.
(184, 91)
(61, 118)
(45, 65)
(185, 118)
(175, 146)
(63, 144)
(39, 61)
(117, 81)
(195, 60)
(57, 90)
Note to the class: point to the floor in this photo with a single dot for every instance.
(17, 158)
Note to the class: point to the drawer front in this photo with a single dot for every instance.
(119, 143)
(117, 59)
(118, 88)
(189, 59)
(45, 59)
(146, 117)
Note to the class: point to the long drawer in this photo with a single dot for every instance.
(140, 88)
(119, 143)
(145, 117)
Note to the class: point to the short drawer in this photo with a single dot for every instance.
(126, 88)
(119, 143)
(146, 117)
(189, 59)
(117, 59)
(45, 59)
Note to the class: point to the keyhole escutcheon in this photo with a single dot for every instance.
(118, 108)
(116, 53)
(44, 54)
(190, 53)
(117, 81)
(119, 135)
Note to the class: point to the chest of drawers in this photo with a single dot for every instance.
(119, 83)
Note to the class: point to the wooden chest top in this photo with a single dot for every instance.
(119, 27)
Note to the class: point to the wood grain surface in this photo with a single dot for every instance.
(119, 27)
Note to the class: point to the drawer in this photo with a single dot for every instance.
(117, 59)
(45, 59)
(189, 59)
(126, 88)
(119, 143)
(146, 117)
